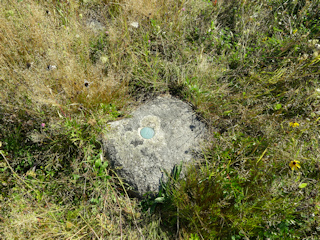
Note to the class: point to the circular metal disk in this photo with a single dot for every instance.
(147, 132)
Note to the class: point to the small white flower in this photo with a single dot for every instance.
(134, 24)
(104, 59)
(305, 56)
(313, 41)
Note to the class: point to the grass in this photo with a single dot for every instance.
(249, 68)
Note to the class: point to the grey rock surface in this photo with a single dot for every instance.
(177, 134)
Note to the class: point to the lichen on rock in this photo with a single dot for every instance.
(140, 161)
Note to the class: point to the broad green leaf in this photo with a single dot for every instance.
(303, 185)
(98, 163)
(159, 200)
(277, 106)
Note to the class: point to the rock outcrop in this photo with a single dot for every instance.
(160, 135)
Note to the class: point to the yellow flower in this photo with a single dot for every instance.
(295, 124)
(294, 165)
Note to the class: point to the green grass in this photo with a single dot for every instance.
(249, 68)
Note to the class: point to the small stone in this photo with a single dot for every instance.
(51, 67)
(86, 83)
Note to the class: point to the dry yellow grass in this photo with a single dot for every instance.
(45, 56)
